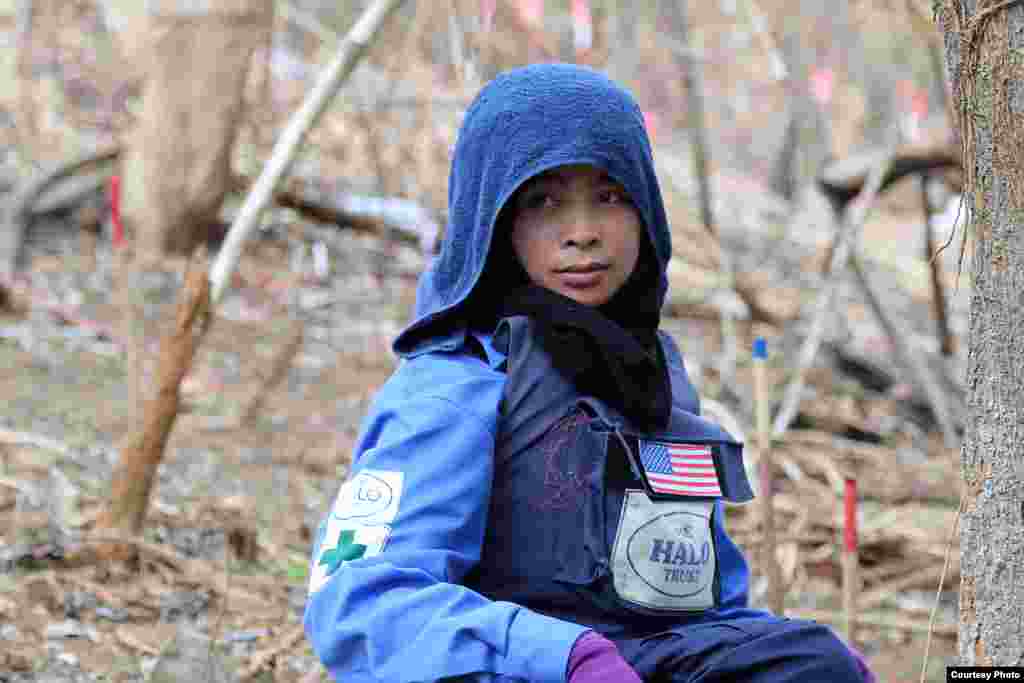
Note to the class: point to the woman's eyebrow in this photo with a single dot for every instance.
(557, 175)
(552, 176)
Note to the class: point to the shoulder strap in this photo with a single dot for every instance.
(684, 395)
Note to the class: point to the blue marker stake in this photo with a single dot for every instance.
(769, 561)
(760, 349)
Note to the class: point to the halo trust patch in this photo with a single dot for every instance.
(664, 555)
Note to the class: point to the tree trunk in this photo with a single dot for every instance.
(177, 167)
(983, 51)
(135, 473)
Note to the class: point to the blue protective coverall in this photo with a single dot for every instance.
(492, 513)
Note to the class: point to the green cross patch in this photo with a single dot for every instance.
(345, 551)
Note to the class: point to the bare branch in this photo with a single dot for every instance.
(288, 145)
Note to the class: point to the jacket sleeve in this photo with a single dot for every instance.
(385, 601)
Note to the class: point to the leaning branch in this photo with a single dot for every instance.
(844, 180)
(920, 373)
(848, 230)
(288, 145)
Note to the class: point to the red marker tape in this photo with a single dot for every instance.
(823, 84)
(115, 210)
(850, 530)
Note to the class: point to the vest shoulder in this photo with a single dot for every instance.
(684, 393)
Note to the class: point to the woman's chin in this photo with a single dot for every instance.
(586, 297)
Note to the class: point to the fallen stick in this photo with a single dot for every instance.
(265, 657)
(126, 638)
(844, 179)
(21, 207)
(28, 439)
(111, 598)
(97, 547)
(848, 230)
(319, 210)
(11, 484)
(22, 298)
(328, 212)
(916, 579)
(754, 539)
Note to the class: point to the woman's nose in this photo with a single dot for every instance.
(580, 229)
(582, 241)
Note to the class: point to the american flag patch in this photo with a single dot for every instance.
(680, 469)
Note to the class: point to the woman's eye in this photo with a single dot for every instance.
(538, 200)
(614, 197)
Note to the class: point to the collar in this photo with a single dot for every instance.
(495, 358)
(458, 339)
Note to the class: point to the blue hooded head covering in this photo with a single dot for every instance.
(523, 123)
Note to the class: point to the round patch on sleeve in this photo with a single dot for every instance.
(359, 524)
(371, 497)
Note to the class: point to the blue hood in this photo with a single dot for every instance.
(524, 122)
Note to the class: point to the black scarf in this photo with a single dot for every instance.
(621, 365)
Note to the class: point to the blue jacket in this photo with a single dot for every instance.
(402, 615)
(386, 596)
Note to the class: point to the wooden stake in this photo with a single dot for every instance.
(769, 561)
(851, 558)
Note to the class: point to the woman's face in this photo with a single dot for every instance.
(576, 232)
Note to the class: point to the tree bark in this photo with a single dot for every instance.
(984, 41)
(177, 167)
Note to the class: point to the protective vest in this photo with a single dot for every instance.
(596, 522)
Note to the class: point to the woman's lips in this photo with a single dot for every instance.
(583, 279)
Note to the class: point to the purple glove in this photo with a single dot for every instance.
(862, 665)
(594, 659)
